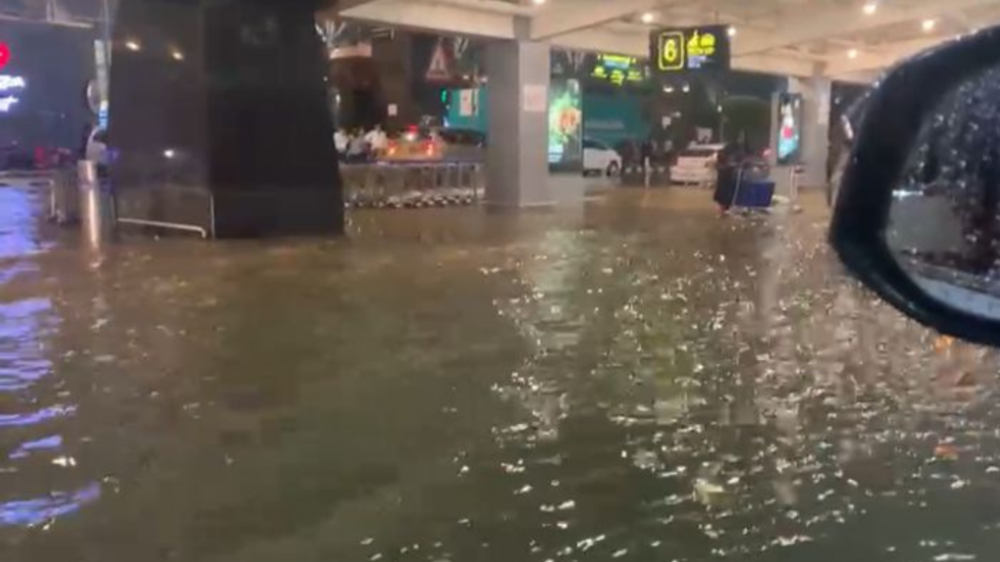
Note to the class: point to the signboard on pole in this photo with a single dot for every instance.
(691, 49)
(535, 98)
(467, 102)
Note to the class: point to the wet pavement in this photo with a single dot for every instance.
(635, 380)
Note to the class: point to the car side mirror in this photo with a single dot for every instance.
(917, 217)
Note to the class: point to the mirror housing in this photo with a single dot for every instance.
(895, 114)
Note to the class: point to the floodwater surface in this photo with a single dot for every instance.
(636, 380)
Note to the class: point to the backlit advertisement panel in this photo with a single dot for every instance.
(565, 125)
(789, 129)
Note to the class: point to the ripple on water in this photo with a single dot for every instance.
(23, 360)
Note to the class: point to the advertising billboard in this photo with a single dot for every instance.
(565, 125)
(690, 49)
(789, 129)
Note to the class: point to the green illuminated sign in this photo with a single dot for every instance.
(619, 69)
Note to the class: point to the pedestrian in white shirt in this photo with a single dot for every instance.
(342, 140)
(377, 140)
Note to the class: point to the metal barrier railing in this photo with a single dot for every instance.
(81, 195)
(412, 184)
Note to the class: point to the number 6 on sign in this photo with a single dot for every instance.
(671, 51)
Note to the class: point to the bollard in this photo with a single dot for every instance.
(478, 181)
(64, 201)
(454, 175)
(96, 217)
(793, 195)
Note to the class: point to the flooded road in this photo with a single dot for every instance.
(634, 381)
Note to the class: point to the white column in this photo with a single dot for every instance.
(815, 129)
(815, 132)
(517, 173)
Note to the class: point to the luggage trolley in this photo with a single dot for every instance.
(751, 194)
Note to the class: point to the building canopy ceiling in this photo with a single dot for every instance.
(842, 39)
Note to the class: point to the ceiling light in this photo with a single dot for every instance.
(647, 17)
(538, 2)
(133, 45)
(177, 55)
(870, 8)
(731, 31)
(686, 88)
(668, 89)
(928, 25)
(852, 54)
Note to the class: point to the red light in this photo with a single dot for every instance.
(429, 149)
(4, 54)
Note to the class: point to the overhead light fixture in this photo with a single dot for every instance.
(928, 25)
(668, 89)
(647, 17)
(177, 55)
(686, 88)
(538, 2)
(731, 31)
(870, 8)
(852, 54)
(133, 45)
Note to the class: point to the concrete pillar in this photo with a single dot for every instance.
(220, 118)
(815, 131)
(517, 170)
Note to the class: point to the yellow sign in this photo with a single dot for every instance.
(671, 51)
(701, 45)
(694, 48)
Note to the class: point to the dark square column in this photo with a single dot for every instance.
(220, 118)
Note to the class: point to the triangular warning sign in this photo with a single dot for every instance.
(439, 69)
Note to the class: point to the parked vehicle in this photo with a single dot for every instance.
(452, 145)
(696, 164)
(462, 145)
(13, 156)
(599, 158)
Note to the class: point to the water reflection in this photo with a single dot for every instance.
(23, 360)
(642, 383)
(19, 234)
(29, 513)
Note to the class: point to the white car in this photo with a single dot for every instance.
(600, 159)
(696, 164)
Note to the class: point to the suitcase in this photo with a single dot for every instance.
(754, 194)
